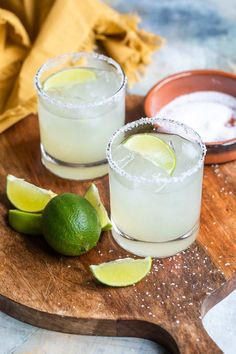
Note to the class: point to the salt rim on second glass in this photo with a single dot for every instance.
(75, 56)
(180, 128)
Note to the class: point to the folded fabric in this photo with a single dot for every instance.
(32, 31)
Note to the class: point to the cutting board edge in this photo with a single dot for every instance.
(120, 327)
(218, 295)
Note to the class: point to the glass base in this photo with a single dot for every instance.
(155, 249)
(74, 171)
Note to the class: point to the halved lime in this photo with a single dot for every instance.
(26, 223)
(92, 195)
(26, 196)
(122, 272)
(153, 149)
(68, 76)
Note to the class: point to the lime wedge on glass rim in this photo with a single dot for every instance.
(26, 223)
(68, 76)
(93, 197)
(153, 149)
(122, 272)
(26, 196)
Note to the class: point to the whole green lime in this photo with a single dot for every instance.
(70, 224)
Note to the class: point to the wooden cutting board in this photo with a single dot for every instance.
(47, 290)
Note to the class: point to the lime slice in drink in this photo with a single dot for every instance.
(68, 76)
(92, 195)
(26, 223)
(122, 272)
(153, 149)
(26, 196)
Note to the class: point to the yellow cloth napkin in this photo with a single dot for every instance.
(32, 31)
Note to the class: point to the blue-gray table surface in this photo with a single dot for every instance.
(200, 34)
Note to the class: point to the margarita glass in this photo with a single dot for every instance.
(156, 212)
(81, 103)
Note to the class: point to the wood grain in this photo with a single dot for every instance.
(42, 288)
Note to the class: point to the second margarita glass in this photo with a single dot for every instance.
(81, 102)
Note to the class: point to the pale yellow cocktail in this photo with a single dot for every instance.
(155, 175)
(81, 102)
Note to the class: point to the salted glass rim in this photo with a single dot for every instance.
(151, 121)
(50, 63)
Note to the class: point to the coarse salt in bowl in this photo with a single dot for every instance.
(204, 100)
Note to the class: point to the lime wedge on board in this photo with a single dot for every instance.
(26, 196)
(93, 197)
(26, 223)
(122, 272)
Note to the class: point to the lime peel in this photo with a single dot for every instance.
(122, 272)
(71, 225)
(93, 197)
(26, 196)
(153, 149)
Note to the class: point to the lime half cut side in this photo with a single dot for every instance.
(93, 197)
(69, 76)
(26, 196)
(122, 272)
(153, 149)
(26, 223)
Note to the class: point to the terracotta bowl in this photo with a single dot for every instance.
(187, 82)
